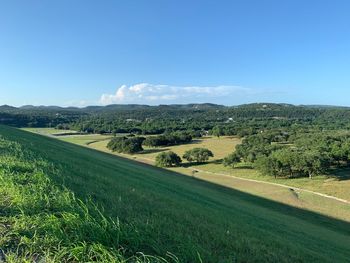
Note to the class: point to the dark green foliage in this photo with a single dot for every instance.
(198, 155)
(168, 159)
(256, 145)
(283, 154)
(217, 131)
(168, 139)
(244, 120)
(231, 160)
(293, 163)
(126, 144)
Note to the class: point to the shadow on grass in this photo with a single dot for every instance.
(340, 174)
(153, 150)
(244, 167)
(329, 222)
(194, 164)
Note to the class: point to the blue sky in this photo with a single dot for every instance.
(229, 52)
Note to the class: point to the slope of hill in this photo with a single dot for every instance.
(195, 220)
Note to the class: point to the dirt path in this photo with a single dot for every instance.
(276, 184)
(192, 169)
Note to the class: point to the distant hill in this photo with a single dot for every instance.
(5, 108)
(157, 119)
(191, 106)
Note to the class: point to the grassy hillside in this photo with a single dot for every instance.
(221, 147)
(193, 219)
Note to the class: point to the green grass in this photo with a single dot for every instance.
(48, 131)
(85, 139)
(336, 184)
(190, 217)
(76, 139)
(223, 146)
(42, 222)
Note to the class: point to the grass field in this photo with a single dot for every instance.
(336, 184)
(190, 217)
(223, 146)
(44, 222)
(76, 139)
(48, 131)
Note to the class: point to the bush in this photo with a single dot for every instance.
(168, 159)
(198, 155)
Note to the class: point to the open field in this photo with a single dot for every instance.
(187, 216)
(48, 131)
(336, 184)
(223, 146)
(76, 139)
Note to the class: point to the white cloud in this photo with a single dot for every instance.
(145, 93)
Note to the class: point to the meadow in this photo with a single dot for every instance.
(215, 172)
(193, 219)
(335, 184)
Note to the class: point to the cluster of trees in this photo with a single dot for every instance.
(168, 139)
(169, 159)
(290, 162)
(133, 144)
(195, 119)
(126, 144)
(282, 154)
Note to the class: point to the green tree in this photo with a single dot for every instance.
(231, 160)
(198, 155)
(268, 165)
(217, 131)
(168, 159)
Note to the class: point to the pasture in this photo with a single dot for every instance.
(336, 184)
(191, 218)
(213, 171)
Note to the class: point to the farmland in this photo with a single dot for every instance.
(217, 223)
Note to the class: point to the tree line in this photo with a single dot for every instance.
(290, 155)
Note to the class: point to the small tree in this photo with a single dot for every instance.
(217, 131)
(198, 155)
(168, 159)
(231, 160)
